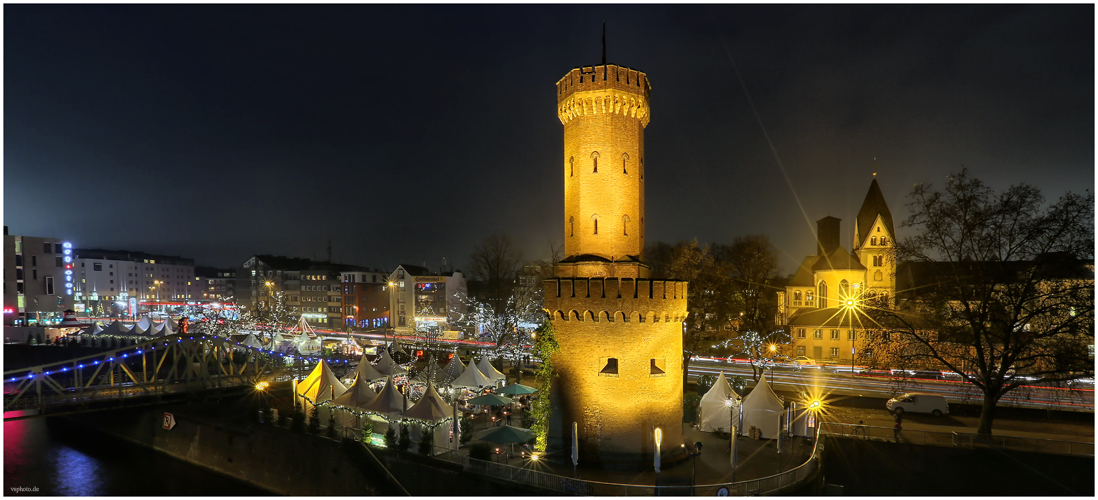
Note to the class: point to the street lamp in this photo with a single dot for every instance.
(157, 284)
(773, 350)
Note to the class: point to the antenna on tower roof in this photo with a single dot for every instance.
(604, 42)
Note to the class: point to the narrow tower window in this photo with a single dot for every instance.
(625, 224)
(625, 163)
(571, 226)
(823, 294)
(595, 219)
(595, 160)
(642, 172)
(571, 166)
(873, 240)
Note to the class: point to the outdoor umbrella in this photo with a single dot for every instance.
(490, 400)
(505, 435)
(517, 389)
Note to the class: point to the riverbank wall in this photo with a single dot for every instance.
(289, 463)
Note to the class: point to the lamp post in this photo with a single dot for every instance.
(773, 350)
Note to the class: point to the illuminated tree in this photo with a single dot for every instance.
(996, 287)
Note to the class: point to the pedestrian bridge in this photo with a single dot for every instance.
(172, 366)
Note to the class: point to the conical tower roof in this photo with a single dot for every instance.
(431, 407)
(873, 206)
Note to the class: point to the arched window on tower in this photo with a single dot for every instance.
(642, 170)
(873, 240)
(822, 294)
(625, 225)
(844, 289)
(595, 160)
(625, 163)
(642, 227)
(571, 226)
(595, 218)
(571, 166)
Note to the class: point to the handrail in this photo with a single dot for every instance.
(575, 486)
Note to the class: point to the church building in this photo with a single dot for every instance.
(824, 303)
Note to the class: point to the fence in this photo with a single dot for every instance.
(770, 485)
(962, 440)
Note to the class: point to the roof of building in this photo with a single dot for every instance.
(284, 263)
(416, 270)
(99, 253)
(803, 276)
(838, 259)
(914, 276)
(873, 205)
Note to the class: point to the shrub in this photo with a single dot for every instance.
(426, 442)
(690, 407)
(466, 430)
(405, 438)
(282, 418)
(298, 424)
(367, 430)
(314, 421)
(391, 437)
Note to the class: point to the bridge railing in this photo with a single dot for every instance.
(961, 439)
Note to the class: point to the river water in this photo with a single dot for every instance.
(51, 457)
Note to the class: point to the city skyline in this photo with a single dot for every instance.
(220, 132)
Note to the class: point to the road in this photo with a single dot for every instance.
(816, 383)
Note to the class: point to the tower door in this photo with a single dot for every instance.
(817, 353)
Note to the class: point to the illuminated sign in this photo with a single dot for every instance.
(133, 305)
(430, 279)
(8, 310)
(68, 267)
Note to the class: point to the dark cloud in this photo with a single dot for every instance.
(407, 133)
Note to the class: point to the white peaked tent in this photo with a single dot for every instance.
(713, 411)
(357, 395)
(165, 329)
(365, 372)
(138, 329)
(92, 330)
(762, 409)
(431, 408)
(277, 339)
(115, 328)
(387, 366)
(321, 385)
(472, 378)
(389, 403)
(251, 341)
(455, 367)
(490, 371)
(145, 323)
(307, 345)
(431, 373)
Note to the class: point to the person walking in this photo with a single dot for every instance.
(896, 430)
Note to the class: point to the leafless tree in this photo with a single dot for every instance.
(996, 287)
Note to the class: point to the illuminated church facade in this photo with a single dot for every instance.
(821, 300)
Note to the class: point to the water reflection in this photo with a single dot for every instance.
(62, 459)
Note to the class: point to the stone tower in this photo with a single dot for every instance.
(874, 236)
(620, 333)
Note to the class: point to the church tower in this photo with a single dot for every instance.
(874, 237)
(620, 333)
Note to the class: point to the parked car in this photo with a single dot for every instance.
(782, 359)
(918, 402)
(803, 360)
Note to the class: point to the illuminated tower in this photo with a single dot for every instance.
(620, 333)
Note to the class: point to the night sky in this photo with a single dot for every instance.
(408, 133)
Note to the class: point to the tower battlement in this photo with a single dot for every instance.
(608, 89)
(616, 299)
